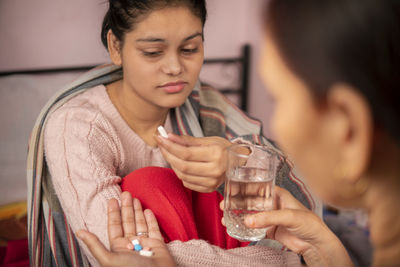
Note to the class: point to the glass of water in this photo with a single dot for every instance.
(249, 188)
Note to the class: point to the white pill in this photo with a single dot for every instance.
(135, 242)
(162, 131)
(147, 253)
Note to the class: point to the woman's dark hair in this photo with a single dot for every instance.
(123, 14)
(350, 41)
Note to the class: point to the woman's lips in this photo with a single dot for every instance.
(174, 87)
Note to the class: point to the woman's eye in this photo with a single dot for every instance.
(187, 51)
(152, 53)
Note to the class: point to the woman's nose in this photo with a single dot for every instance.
(173, 65)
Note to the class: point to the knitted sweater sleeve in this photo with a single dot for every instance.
(82, 152)
(201, 253)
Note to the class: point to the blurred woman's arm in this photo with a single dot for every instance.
(301, 231)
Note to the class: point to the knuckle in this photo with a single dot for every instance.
(211, 184)
(215, 153)
(220, 169)
(128, 220)
(217, 170)
(218, 152)
(183, 168)
(185, 155)
(216, 184)
(207, 190)
(178, 173)
(187, 185)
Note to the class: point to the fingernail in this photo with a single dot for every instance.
(147, 212)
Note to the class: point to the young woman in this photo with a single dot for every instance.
(103, 139)
(333, 68)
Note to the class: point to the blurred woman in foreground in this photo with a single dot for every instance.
(333, 67)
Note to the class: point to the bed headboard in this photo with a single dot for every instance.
(236, 69)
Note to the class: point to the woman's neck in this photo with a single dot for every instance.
(142, 117)
(382, 201)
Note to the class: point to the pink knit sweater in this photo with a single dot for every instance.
(88, 148)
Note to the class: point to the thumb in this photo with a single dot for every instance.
(95, 246)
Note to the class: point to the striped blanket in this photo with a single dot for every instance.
(206, 112)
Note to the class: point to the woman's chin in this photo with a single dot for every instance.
(173, 101)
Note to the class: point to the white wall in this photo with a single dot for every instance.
(231, 24)
(50, 33)
(57, 33)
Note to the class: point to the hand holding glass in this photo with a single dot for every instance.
(249, 188)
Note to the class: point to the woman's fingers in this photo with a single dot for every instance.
(189, 153)
(288, 218)
(204, 180)
(141, 225)
(128, 215)
(134, 220)
(199, 162)
(95, 246)
(152, 225)
(203, 149)
(211, 163)
(207, 166)
(114, 225)
(290, 213)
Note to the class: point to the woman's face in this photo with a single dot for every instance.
(302, 129)
(162, 56)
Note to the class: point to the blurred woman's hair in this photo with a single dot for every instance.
(122, 15)
(356, 42)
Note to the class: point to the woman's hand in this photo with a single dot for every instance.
(123, 226)
(301, 231)
(200, 162)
